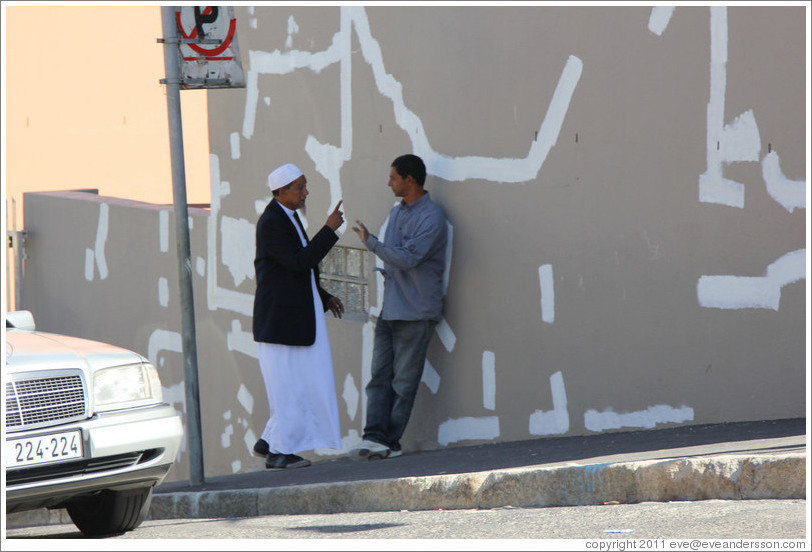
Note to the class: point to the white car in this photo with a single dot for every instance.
(86, 428)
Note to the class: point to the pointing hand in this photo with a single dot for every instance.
(336, 218)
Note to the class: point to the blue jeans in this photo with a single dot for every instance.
(398, 358)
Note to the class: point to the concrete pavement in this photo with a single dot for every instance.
(743, 460)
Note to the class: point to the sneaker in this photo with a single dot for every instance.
(395, 453)
(286, 462)
(369, 450)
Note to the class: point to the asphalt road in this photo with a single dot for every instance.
(648, 526)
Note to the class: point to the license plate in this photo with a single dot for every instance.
(43, 449)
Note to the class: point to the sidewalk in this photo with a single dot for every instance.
(743, 460)
(748, 460)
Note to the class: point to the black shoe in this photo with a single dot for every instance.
(261, 448)
(286, 462)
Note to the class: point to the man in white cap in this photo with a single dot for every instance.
(289, 326)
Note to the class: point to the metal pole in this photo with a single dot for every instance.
(16, 243)
(19, 257)
(193, 430)
(8, 260)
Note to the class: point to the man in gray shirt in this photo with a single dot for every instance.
(414, 261)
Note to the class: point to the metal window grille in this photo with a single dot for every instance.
(345, 274)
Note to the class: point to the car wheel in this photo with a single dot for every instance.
(110, 511)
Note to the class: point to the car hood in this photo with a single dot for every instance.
(32, 350)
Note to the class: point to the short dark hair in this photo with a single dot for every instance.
(411, 165)
(275, 192)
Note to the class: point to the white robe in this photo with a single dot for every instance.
(301, 391)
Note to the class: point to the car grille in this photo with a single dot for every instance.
(45, 401)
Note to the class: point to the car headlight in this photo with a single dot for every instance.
(126, 386)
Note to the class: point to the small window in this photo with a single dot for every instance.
(345, 274)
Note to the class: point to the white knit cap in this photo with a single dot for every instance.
(283, 176)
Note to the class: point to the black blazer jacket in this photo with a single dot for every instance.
(283, 303)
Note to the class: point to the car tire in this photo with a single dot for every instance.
(110, 512)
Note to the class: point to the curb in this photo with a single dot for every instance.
(722, 477)
(725, 477)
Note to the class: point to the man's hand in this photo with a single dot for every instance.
(336, 218)
(336, 306)
(361, 230)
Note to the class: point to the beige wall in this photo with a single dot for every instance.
(594, 285)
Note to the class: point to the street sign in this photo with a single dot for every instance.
(208, 50)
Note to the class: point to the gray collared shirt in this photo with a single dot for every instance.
(413, 252)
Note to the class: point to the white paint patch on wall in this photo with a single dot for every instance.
(659, 19)
(163, 340)
(649, 418)
(449, 168)
(278, 63)
(89, 264)
(241, 341)
(327, 158)
(101, 239)
(345, 54)
(467, 167)
(738, 141)
(791, 194)
(225, 436)
(557, 420)
(238, 241)
(430, 377)
(293, 29)
(547, 288)
(245, 398)
(96, 256)
(216, 296)
(743, 292)
(163, 291)
(200, 266)
(249, 438)
(235, 145)
(489, 380)
(462, 429)
(741, 139)
(351, 396)
(446, 334)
